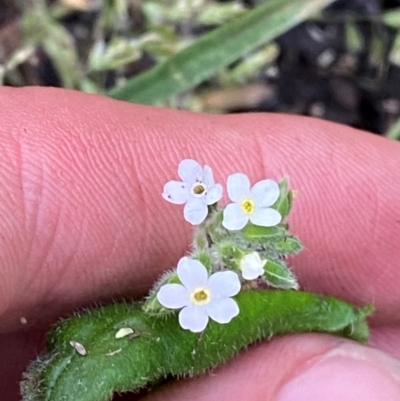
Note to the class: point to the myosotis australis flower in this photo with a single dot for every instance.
(201, 296)
(250, 203)
(197, 190)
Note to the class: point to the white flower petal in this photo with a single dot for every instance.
(238, 186)
(190, 171)
(252, 266)
(192, 273)
(214, 194)
(265, 193)
(223, 284)
(251, 273)
(176, 192)
(173, 296)
(195, 210)
(223, 310)
(266, 217)
(193, 318)
(234, 218)
(208, 177)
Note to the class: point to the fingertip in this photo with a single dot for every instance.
(296, 368)
(349, 372)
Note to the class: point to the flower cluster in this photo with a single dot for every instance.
(197, 190)
(245, 240)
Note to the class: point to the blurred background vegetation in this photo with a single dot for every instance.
(337, 60)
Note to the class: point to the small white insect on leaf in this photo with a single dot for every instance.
(125, 331)
(79, 348)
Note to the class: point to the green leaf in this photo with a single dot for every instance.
(115, 54)
(288, 246)
(56, 41)
(219, 13)
(253, 233)
(394, 131)
(392, 18)
(279, 275)
(85, 361)
(216, 50)
(284, 203)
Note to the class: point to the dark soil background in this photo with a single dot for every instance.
(315, 74)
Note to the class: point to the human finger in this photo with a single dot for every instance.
(83, 219)
(306, 367)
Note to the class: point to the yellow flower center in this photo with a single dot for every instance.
(198, 189)
(200, 296)
(248, 206)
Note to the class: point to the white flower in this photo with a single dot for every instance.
(252, 266)
(201, 296)
(250, 204)
(197, 190)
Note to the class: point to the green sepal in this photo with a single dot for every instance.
(151, 305)
(205, 259)
(288, 246)
(284, 203)
(278, 275)
(259, 234)
(159, 347)
(231, 254)
(212, 227)
(200, 239)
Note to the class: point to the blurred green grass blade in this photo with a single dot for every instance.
(392, 18)
(216, 50)
(394, 131)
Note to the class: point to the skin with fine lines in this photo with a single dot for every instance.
(83, 218)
